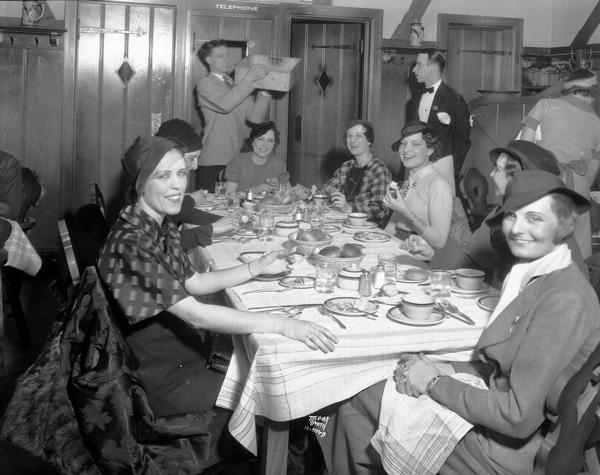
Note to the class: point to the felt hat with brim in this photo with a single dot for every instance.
(531, 185)
(581, 83)
(412, 128)
(531, 156)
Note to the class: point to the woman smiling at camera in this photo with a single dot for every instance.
(423, 204)
(546, 311)
(257, 168)
(154, 284)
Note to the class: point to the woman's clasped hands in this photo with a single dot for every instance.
(395, 202)
(413, 372)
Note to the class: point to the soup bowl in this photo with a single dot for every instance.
(469, 279)
(357, 219)
(417, 305)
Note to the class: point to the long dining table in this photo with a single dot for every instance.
(278, 379)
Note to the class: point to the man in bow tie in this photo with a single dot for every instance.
(443, 108)
(226, 107)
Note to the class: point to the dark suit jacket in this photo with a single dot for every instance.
(453, 137)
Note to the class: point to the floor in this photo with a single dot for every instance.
(40, 308)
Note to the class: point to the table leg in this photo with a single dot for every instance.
(275, 447)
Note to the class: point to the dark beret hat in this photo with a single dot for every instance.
(182, 132)
(412, 128)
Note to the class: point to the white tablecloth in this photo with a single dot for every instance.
(281, 379)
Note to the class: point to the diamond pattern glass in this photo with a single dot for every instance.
(324, 80)
(125, 72)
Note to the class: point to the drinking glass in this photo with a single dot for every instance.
(388, 261)
(266, 223)
(326, 273)
(219, 187)
(316, 217)
(441, 283)
(232, 201)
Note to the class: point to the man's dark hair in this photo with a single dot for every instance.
(206, 49)
(435, 56)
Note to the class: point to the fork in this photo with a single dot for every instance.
(256, 291)
(324, 312)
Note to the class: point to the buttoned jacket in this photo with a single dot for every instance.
(527, 345)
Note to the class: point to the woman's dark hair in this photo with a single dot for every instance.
(369, 131)
(259, 130)
(432, 142)
(206, 49)
(565, 210)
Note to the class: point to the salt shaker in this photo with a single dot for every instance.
(379, 277)
(364, 284)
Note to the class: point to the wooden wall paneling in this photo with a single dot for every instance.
(114, 107)
(312, 110)
(162, 79)
(12, 92)
(471, 63)
(296, 98)
(491, 67)
(42, 148)
(88, 100)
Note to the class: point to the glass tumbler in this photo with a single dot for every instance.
(441, 284)
(219, 188)
(326, 273)
(388, 261)
(266, 223)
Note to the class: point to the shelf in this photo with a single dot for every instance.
(403, 46)
(48, 27)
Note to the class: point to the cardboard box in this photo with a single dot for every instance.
(282, 73)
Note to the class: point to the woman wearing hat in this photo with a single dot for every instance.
(154, 285)
(256, 168)
(570, 128)
(423, 204)
(546, 303)
(487, 249)
(360, 184)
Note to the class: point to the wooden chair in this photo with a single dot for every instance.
(65, 239)
(474, 187)
(573, 412)
(97, 198)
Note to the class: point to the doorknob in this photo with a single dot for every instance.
(298, 128)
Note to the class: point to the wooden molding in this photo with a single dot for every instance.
(415, 12)
(588, 29)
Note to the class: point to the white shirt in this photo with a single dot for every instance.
(427, 101)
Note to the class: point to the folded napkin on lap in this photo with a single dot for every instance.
(416, 435)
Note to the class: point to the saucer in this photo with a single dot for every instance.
(488, 303)
(250, 256)
(372, 236)
(330, 228)
(396, 315)
(245, 232)
(272, 277)
(481, 290)
(345, 306)
(367, 225)
(298, 282)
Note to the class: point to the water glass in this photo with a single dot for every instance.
(441, 284)
(316, 216)
(388, 261)
(219, 187)
(266, 223)
(326, 273)
(232, 201)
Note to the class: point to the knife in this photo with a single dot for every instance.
(453, 311)
(324, 312)
(271, 307)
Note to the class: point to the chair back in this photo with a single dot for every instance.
(89, 230)
(474, 188)
(97, 198)
(572, 406)
(67, 245)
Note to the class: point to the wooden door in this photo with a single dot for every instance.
(124, 78)
(325, 100)
(483, 53)
(245, 36)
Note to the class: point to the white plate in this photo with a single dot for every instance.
(245, 232)
(457, 290)
(367, 225)
(298, 282)
(330, 228)
(372, 236)
(272, 277)
(488, 302)
(345, 306)
(396, 315)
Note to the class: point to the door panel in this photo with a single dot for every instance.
(325, 100)
(109, 113)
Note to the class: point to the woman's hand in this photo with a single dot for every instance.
(312, 335)
(419, 248)
(225, 224)
(413, 373)
(338, 199)
(397, 203)
(271, 263)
